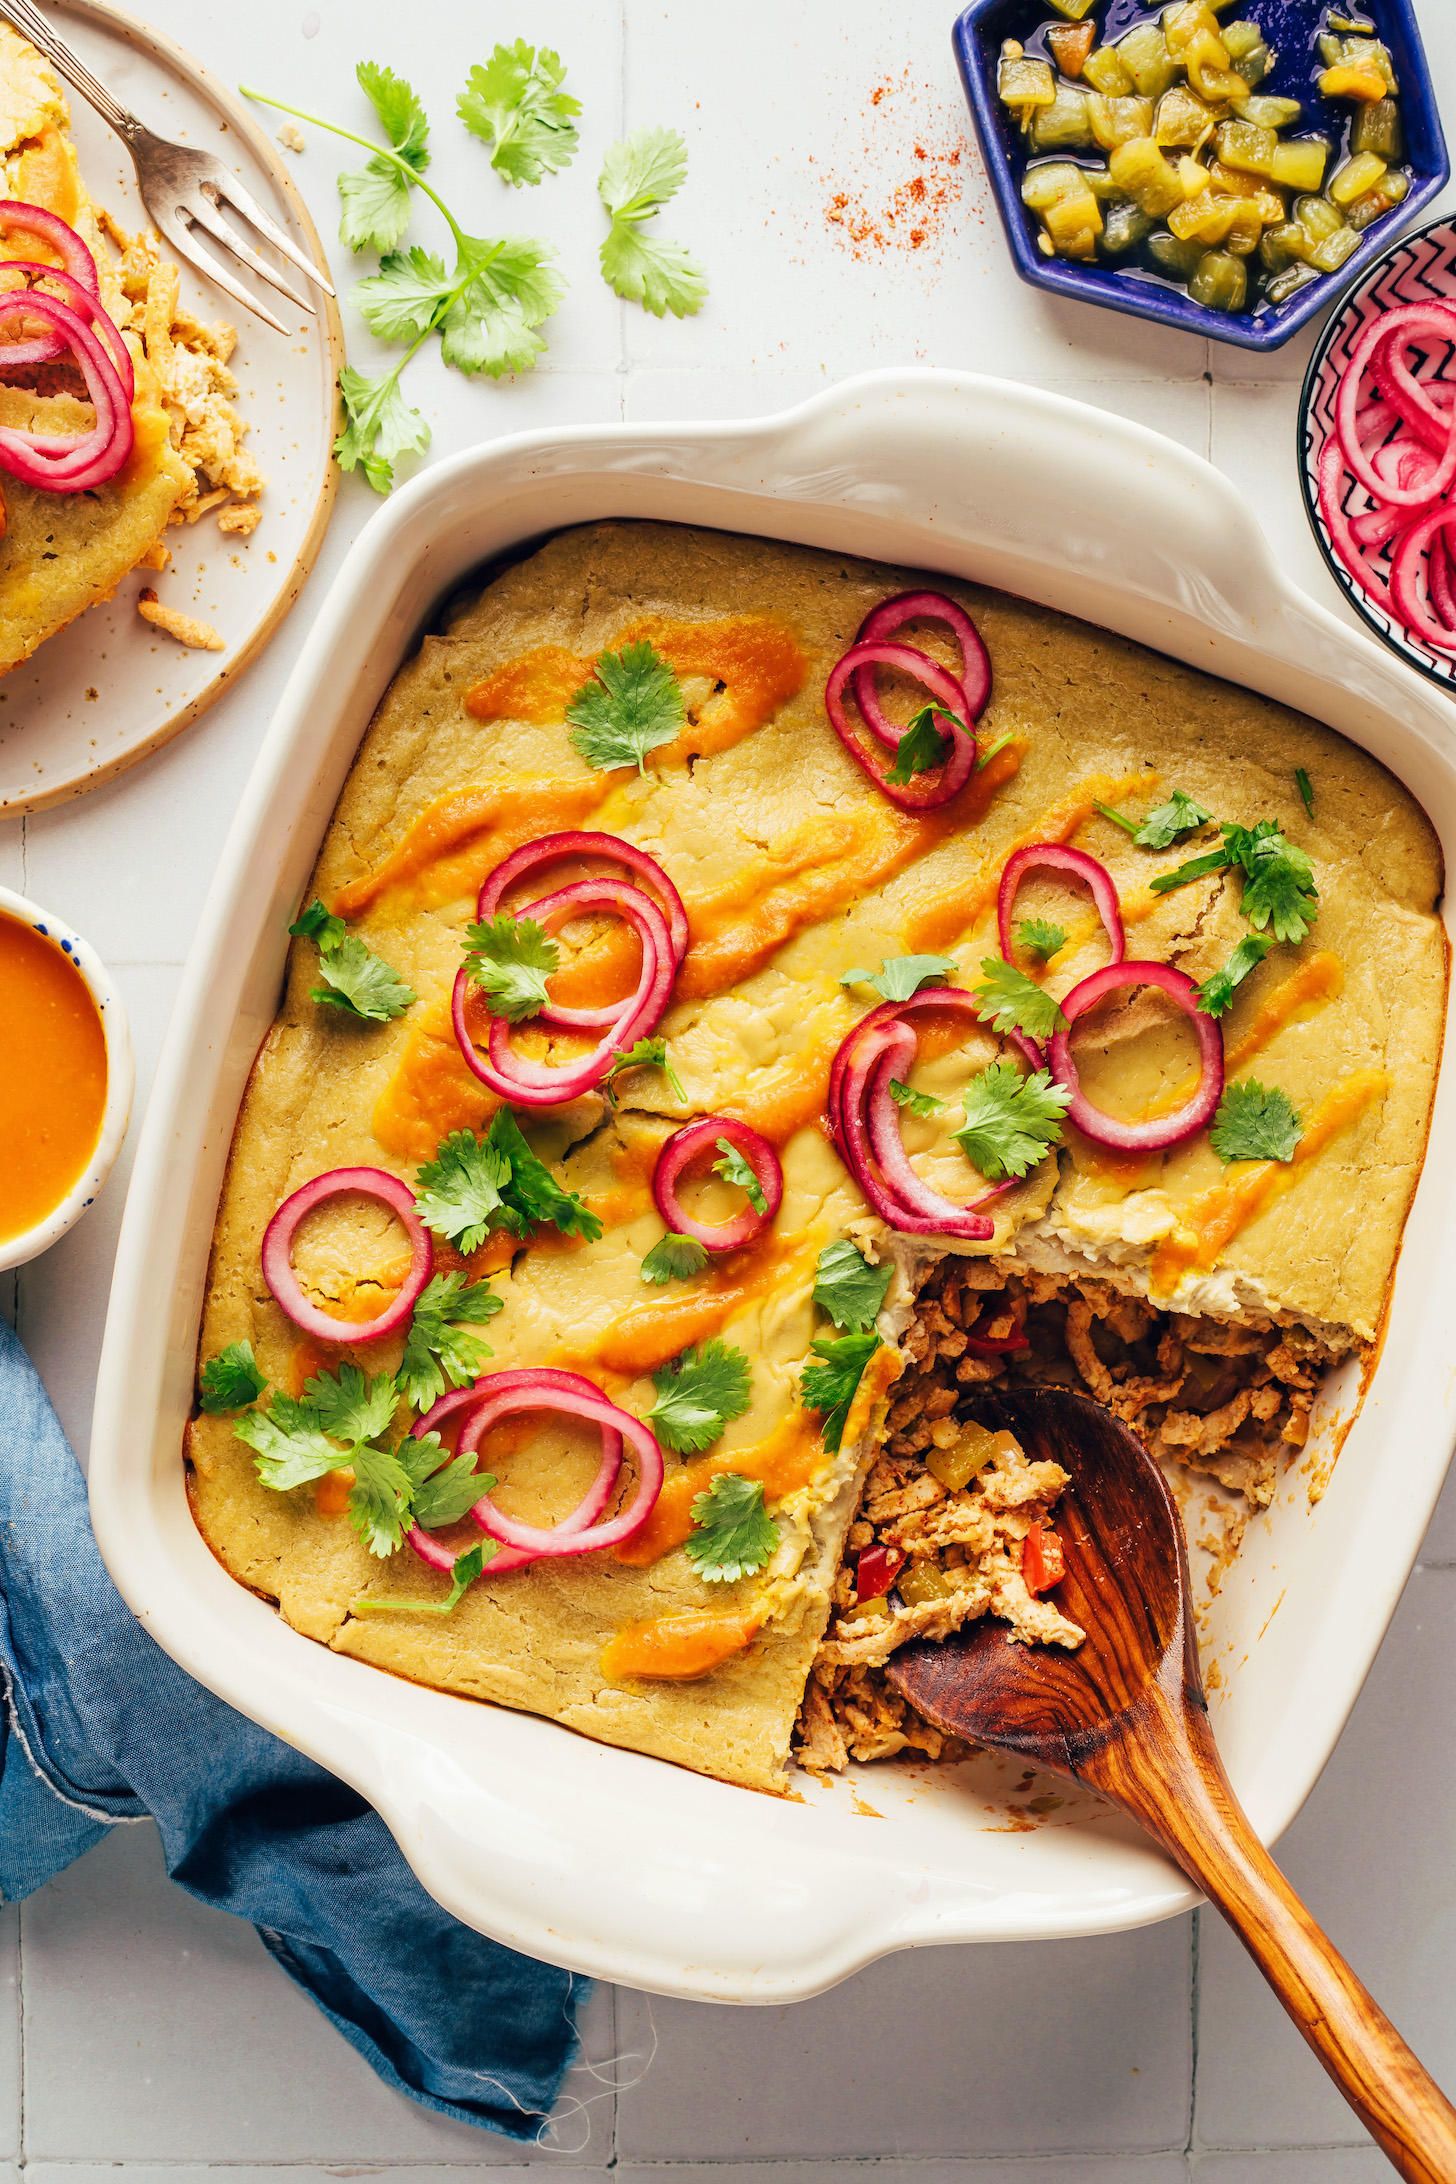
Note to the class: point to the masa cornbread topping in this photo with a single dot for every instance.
(794, 870)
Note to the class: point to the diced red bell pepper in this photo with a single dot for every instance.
(994, 1345)
(876, 1571)
(1042, 1561)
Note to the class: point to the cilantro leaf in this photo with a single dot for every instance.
(401, 299)
(379, 1499)
(697, 1394)
(376, 197)
(317, 924)
(830, 1387)
(438, 1353)
(1011, 1121)
(633, 704)
(1162, 827)
(1212, 860)
(923, 1104)
(674, 1258)
(847, 1287)
(900, 976)
(504, 289)
(638, 176)
(532, 1193)
(362, 984)
(1255, 1124)
(510, 960)
(231, 1379)
(733, 1534)
(288, 1444)
(1010, 1001)
(1279, 889)
(442, 1487)
(351, 1404)
(1301, 782)
(735, 1169)
(647, 1054)
(1216, 993)
(458, 1193)
(378, 428)
(1042, 939)
(467, 1569)
(516, 104)
(922, 745)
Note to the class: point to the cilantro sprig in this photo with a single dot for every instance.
(638, 177)
(438, 1352)
(673, 1258)
(697, 1395)
(646, 1054)
(1255, 1122)
(515, 103)
(1011, 1121)
(735, 1169)
(510, 960)
(922, 744)
(847, 1287)
(1306, 793)
(1180, 815)
(923, 1104)
(487, 307)
(231, 1379)
(632, 705)
(475, 1184)
(832, 1384)
(900, 976)
(1216, 994)
(467, 1568)
(1010, 1001)
(356, 980)
(1040, 938)
(1278, 878)
(733, 1534)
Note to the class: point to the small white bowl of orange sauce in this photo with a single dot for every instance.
(65, 1091)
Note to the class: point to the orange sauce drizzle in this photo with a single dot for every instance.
(649, 1334)
(936, 924)
(1217, 1215)
(462, 837)
(787, 1460)
(677, 1645)
(431, 1092)
(53, 1084)
(760, 663)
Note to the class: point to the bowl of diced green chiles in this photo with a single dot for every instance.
(1219, 165)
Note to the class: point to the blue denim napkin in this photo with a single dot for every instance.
(100, 1725)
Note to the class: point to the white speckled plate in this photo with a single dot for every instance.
(111, 688)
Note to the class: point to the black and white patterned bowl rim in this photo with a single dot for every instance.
(1419, 268)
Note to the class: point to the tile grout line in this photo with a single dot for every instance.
(1195, 1937)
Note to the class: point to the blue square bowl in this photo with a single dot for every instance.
(1289, 28)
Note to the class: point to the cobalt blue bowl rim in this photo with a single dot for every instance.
(1402, 646)
(1167, 306)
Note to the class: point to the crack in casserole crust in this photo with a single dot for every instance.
(1202, 1319)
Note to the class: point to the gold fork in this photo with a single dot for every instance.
(180, 187)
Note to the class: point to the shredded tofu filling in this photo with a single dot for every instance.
(1216, 1397)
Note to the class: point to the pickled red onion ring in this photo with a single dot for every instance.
(76, 260)
(1166, 1129)
(1394, 327)
(938, 784)
(86, 306)
(1057, 857)
(527, 1083)
(1411, 608)
(683, 1147)
(70, 463)
(586, 1511)
(551, 912)
(884, 621)
(536, 1390)
(278, 1247)
(553, 847)
(953, 998)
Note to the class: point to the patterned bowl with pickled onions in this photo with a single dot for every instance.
(1417, 270)
(1290, 28)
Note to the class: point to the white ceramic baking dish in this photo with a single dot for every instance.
(603, 1860)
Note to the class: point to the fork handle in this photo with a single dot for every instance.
(33, 25)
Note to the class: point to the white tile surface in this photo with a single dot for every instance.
(158, 2035)
(158, 2029)
(1112, 2075)
(1389, 1903)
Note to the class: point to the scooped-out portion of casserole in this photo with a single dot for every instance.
(749, 1002)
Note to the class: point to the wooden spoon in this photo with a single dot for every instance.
(1126, 1715)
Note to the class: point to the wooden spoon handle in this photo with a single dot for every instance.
(1175, 1785)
